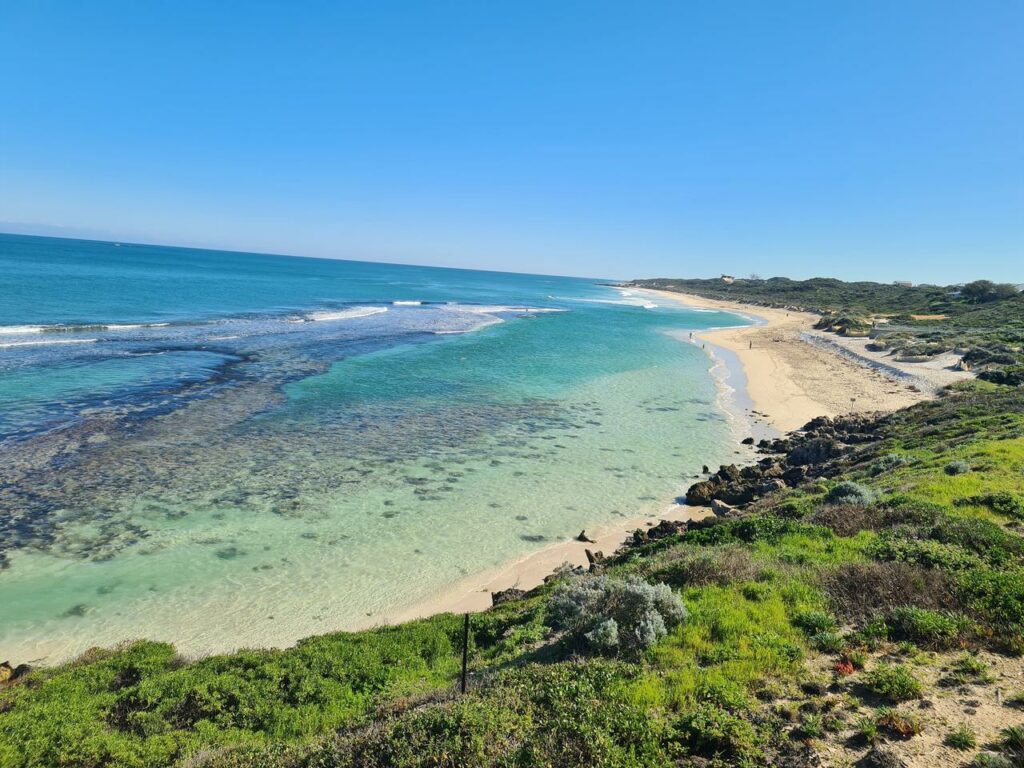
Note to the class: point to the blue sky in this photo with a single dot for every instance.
(878, 140)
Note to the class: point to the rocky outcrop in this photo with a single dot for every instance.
(507, 596)
(804, 455)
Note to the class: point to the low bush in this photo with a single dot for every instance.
(888, 462)
(981, 537)
(859, 592)
(962, 737)
(1002, 503)
(926, 552)
(929, 629)
(814, 622)
(991, 760)
(902, 724)
(851, 494)
(710, 731)
(997, 598)
(969, 669)
(893, 682)
(906, 510)
(1012, 739)
(957, 468)
(828, 642)
(847, 519)
(616, 616)
(701, 567)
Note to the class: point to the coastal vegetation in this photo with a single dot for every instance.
(982, 321)
(850, 597)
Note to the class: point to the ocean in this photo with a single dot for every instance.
(229, 450)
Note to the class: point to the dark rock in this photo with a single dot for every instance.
(20, 671)
(728, 473)
(584, 538)
(814, 451)
(706, 522)
(507, 596)
(752, 472)
(881, 756)
(594, 558)
(747, 441)
(666, 528)
(705, 469)
(794, 476)
(736, 493)
(700, 494)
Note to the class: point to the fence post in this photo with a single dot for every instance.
(465, 650)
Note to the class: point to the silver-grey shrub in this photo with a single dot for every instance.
(854, 494)
(887, 462)
(615, 616)
(957, 468)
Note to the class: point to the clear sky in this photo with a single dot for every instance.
(880, 140)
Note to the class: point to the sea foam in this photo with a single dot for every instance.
(344, 314)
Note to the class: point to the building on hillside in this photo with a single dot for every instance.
(728, 279)
(903, 284)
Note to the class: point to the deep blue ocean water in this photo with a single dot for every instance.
(224, 449)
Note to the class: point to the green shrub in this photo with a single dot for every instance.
(1002, 503)
(991, 760)
(1012, 738)
(930, 629)
(814, 622)
(929, 553)
(983, 538)
(867, 729)
(828, 642)
(888, 462)
(970, 669)
(710, 731)
(998, 597)
(611, 615)
(957, 468)
(893, 682)
(962, 737)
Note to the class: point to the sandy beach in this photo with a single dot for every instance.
(795, 373)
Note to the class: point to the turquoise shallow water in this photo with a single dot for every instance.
(225, 449)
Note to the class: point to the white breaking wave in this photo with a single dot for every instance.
(134, 326)
(345, 314)
(20, 329)
(406, 303)
(10, 329)
(46, 342)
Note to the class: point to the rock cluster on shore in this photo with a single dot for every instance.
(791, 461)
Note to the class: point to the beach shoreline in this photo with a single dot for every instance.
(795, 373)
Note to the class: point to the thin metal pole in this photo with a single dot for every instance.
(465, 651)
